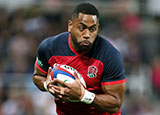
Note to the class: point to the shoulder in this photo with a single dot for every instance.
(113, 67)
(103, 46)
(51, 41)
(108, 54)
(56, 38)
(106, 43)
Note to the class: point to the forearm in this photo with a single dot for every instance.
(38, 81)
(107, 103)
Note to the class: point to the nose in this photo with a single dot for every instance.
(87, 34)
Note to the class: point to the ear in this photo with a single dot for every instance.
(69, 25)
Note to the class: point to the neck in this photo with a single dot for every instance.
(73, 45)
(75, 48)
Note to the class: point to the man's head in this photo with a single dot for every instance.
(83, 26)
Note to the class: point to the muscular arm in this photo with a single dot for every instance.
(112, 100)
(38, 78)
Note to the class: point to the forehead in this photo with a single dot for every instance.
(87, 19)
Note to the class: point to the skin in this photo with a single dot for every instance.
(84, 30)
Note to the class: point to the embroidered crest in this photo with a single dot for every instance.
(92, 71)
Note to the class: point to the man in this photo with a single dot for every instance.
(98, 62)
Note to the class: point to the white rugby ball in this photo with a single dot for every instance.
(66, 74)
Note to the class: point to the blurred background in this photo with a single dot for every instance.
(132, 26)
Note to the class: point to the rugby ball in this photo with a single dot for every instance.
(66, 74)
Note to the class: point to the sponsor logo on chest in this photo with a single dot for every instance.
(92, 71)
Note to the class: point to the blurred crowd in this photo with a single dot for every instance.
(135, 35)
(20, 33)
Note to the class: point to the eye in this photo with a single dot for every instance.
(92, 29)
(81, 28)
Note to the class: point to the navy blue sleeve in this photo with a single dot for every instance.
(42, 56)
(113, 67)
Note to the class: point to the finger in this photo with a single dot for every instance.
(76, 76)
(52, 82)
(62, 91)
(52, 90)
(49, 73)
(62, 98)
(58, 97)
(57, 92)
(82, 91)
(56, 89)
(49, 70)
(79, 78)
(62, 83)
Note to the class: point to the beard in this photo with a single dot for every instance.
(79, 45)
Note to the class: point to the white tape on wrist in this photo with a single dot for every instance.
(88, 97)
(45, 85)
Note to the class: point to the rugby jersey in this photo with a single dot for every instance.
(102, 65)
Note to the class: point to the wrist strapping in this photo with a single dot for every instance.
(88, 97)
(45, 85)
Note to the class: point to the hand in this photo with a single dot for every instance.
(66, 91)
(49, 82)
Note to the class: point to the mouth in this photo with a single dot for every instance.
(85, 43)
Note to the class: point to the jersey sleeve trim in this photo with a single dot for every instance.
(40, 68)
(114, 82)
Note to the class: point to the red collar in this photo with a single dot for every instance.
(72, 49)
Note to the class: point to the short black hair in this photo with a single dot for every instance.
(85, 8)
